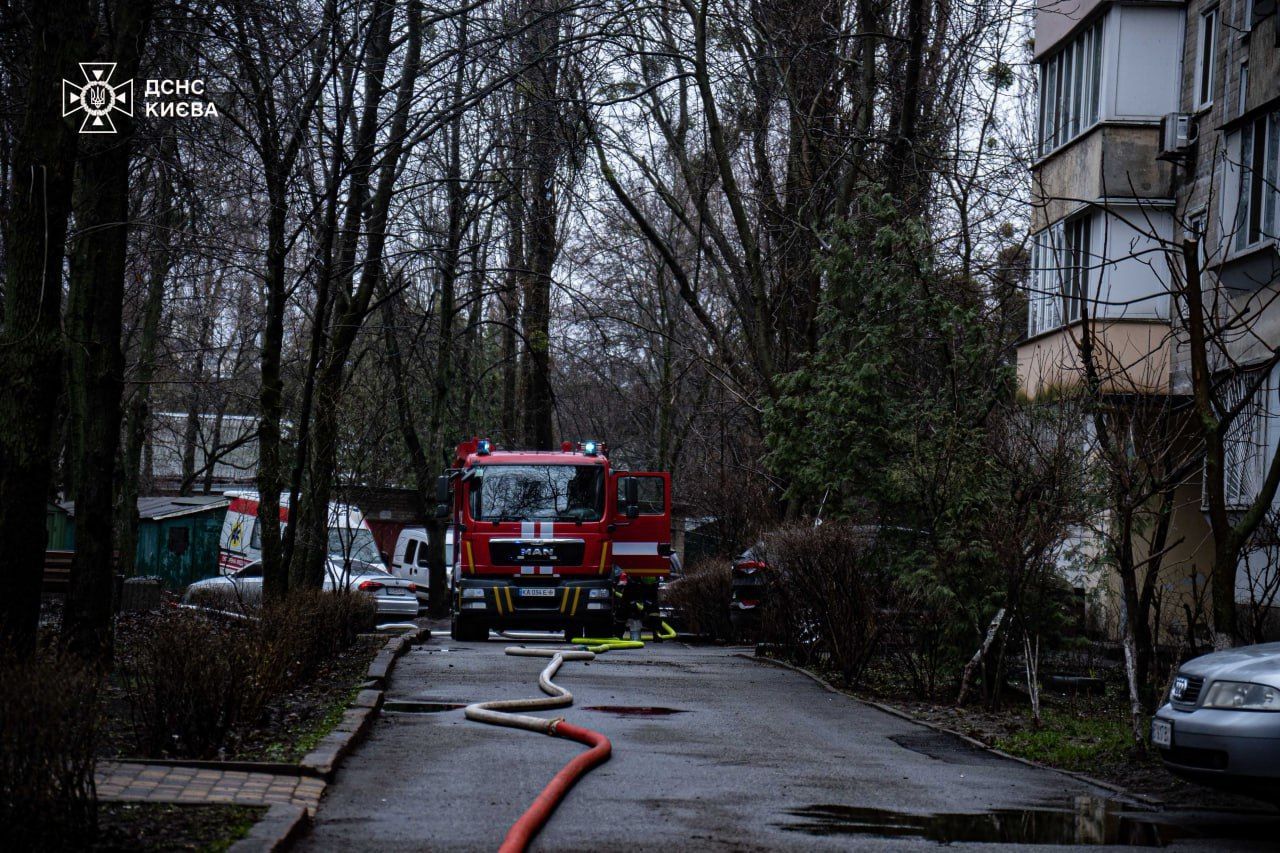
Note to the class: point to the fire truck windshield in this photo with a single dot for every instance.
(537, 493)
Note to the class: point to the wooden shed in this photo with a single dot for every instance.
(59, 529)
(177, 537)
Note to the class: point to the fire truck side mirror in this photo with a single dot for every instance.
(631, 497)
(442, 490)
(442, 510)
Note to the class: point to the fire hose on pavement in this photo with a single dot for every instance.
(502, 713)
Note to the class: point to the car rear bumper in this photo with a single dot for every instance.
(1223, 748)
(398, 605)
(508, 602)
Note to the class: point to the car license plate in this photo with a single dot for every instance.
(1162, 733)
(537, 592)
(395, 590)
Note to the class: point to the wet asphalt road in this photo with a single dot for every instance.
(759, 758)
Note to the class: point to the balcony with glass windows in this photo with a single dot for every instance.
(1096, 286)
(1244, 248)
(1105, 84)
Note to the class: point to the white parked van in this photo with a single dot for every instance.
(241, 542)
(409, 560)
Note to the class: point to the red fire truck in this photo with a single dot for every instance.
(545, 539)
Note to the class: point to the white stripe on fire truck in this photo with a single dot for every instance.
(635, 549)
(526, 529)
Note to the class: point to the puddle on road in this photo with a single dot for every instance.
(1092, 821)
(397, 707)
(634, 710)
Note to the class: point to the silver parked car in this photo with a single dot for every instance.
(1221, 725)
(396, 598)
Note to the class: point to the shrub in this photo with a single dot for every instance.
(308, 627)
(192, 677)
(831, 594)
(702, 598)
(48, 738)
(924, 644)
(188, 677)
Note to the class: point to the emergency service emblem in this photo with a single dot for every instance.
(237, 533)
(97, 98)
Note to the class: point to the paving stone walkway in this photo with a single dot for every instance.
(158, 783)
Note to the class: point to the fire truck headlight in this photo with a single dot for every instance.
(598, 593)
(473, 593)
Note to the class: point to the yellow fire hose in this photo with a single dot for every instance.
(604, 644)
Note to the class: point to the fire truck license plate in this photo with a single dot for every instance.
(537, 592)
(1161, 733)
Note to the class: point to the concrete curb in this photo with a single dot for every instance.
(323, 761)
(283, 824)
(1141, 800)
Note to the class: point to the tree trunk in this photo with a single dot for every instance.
(422, 473)
(306, 565)
(191, 431)
(445, 375)
(541, 242)
(31, 337)
(169, 219)
(275, 578)
(94, 317)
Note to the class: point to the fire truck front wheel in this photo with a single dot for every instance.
(468, 629)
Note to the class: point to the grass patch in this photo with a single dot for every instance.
(303, 738)
(1072, 742)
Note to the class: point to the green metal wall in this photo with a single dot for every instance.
(60, 529)
(180, 550)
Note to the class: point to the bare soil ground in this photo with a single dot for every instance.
(159, 826)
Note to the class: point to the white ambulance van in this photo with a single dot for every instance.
(241, 542)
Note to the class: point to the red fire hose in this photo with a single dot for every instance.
(539, 811)
(498, 713)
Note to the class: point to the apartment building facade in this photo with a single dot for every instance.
(1158, 122)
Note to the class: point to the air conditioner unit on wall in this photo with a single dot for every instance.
(1177, 135)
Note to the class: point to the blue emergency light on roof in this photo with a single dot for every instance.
(589, 448)
(482, 447)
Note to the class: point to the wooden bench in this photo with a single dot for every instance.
(57, 572)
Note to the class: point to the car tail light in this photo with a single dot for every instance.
(749, 602)
(370, 586)
(413, 587)
(749, 567)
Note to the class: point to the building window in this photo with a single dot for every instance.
(1245, 444)
(1257, 11)
(1206, 57)
(1256, 184)
(1242, 90)
(1061, 265)
(1075, 267)
(1069, 86)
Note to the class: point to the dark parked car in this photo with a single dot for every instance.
(666, 608)
(748, 588)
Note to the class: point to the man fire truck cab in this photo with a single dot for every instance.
(546, 540)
